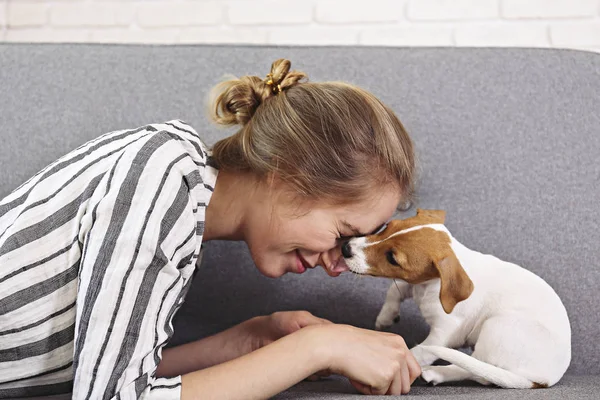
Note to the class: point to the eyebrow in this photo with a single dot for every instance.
(356, 232)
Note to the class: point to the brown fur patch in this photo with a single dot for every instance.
(423, 217)
(421, 255)
(539, 385)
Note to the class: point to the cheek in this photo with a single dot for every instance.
(270, 263)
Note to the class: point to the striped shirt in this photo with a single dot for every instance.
(97, 252)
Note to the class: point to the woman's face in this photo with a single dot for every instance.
(281, 239)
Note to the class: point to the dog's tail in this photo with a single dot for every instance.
(497, 376)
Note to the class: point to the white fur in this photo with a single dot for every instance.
(514, 320)
(358, 262)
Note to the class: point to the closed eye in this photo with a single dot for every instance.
(344, 238)
(390, 258)
(356, 233)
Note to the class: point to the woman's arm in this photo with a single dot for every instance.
(375, 362)
(217, 349)
(258, 375)
(234, 342)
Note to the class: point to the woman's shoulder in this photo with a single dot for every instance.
(201, 153)
(183, 131)
(178, 131)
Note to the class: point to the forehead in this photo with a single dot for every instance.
(371, 212)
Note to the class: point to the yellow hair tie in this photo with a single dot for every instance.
(275, 89)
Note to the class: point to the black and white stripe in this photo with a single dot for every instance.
(97, 252)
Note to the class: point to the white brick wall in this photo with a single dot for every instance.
(3, 9)
(454, 10)
(349, 12)
(529, 23)
(269, 12)
(192, 13)
(549, 8)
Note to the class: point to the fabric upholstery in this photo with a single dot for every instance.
(508, 143)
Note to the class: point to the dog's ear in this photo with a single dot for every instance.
(437, 215)
(456, 285)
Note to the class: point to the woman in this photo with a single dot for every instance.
(98, 250)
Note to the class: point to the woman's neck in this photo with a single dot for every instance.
(228, 206)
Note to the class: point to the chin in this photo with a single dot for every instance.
(272, 271)
(272, 274)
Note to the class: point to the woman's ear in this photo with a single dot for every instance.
(456, 285)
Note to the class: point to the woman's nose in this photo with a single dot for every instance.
(346, 250)
(327, 258)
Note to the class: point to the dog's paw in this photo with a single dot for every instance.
(431, 376)
(384, 322)
(382, 326)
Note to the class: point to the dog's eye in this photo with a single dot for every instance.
(390, 257)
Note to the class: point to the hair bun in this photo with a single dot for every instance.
(235, 101)
(281, 78)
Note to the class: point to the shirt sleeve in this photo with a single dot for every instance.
(141, 241)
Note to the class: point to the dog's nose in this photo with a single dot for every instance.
(346, 250)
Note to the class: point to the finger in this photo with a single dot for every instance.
(308, 319)
(376, 390)
(405, 377)
(380, 390)
(364, 389)
(395, 387)
(414, 369)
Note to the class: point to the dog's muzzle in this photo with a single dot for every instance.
(346, 250)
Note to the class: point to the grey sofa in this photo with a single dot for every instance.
(508, 143)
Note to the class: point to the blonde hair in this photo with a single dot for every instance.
(330, 141)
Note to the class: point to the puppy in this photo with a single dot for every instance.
(514, 321)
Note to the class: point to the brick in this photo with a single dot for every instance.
(313, 36)
(23, 14)
(190, 13)
(575, 34)
(549, 8)
(92, 14)
(33, 35)
(451, 10)
(2, 15)
(223, 36)
(339, 11)
(122, 35)
(408, 36)
(269, 12)
(523, 34)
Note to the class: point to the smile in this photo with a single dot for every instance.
(301, 264)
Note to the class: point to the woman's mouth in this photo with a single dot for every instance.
(336, 268)
(301, 264)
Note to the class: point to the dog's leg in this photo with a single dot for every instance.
(397, 292)
(424, 358)
(447, 335)
(449, 373)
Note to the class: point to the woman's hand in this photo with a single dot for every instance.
(266, 330)
(277, 325)
(235, 342)
(375, 362)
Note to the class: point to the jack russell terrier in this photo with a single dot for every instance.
(514, 321)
